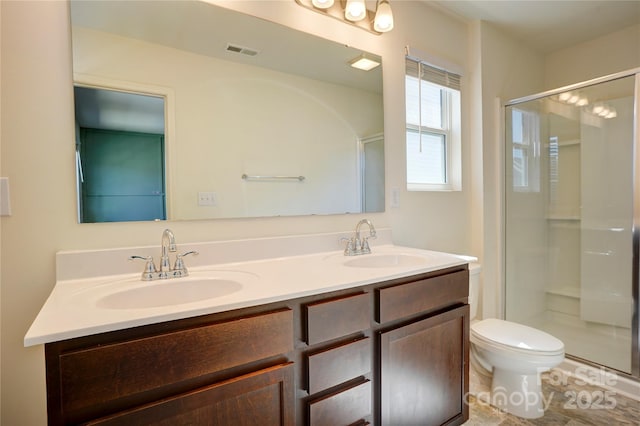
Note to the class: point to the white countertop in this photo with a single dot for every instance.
(74, 308)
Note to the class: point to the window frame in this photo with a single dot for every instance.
(451, 112)
(530, 146)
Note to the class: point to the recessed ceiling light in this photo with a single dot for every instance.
(364, 62)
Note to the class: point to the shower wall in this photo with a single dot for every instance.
(569, 218)
(607, 205)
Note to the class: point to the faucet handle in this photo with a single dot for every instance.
(348, 248)
(179, 270)
(365, 249)
(149, 267)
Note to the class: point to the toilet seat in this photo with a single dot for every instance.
(513, 337)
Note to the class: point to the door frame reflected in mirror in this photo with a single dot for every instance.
(143, 90)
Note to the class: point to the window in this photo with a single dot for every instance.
(525, 137)
(433, 128)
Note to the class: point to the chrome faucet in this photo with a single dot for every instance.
(357, 245)
(168, 245)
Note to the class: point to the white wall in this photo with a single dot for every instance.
(606, 152)
(38, 156)
(615, 52)
(435, 220)
(508, 70)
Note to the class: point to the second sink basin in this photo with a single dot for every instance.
(386, 261)
(170, 292)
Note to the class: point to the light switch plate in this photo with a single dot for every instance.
(5, 203)
(207, 199)
(395, 197)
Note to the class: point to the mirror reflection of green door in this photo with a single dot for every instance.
(123, 176)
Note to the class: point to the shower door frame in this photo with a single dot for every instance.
(635, 284)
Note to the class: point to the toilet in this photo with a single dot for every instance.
(513, 355)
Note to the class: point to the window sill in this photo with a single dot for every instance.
(433, 187)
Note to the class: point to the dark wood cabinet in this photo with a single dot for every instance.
(424, 371)
(337, 317)
(260, 398)
(338, 364)
(339, 360)
(388, 353)
(343, 407)
(423, 350)
(178, 364)
(421, 296)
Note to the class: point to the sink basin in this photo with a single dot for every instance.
(170, 292)
(386, 261)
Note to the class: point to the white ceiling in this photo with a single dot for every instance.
(549, 25)
(207, 29)
(204, 29)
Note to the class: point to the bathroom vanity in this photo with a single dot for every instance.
(389, 347)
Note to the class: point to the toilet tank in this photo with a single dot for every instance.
(474, 287)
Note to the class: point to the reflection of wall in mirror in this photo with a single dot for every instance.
(232, 119)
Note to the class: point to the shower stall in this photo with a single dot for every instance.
(572, 212)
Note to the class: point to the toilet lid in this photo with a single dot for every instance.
(516, 335)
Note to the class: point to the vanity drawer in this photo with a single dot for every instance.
(339, 364)
(259, 398)
(119, 371)
(347, 407)
(330, 319)
(412, 298)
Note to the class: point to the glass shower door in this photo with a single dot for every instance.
(569, 218)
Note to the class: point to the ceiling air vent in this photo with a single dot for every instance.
(235, 48)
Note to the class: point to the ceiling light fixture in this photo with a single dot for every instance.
(573, 99)
(364, 62)
(355, 12)
(383, 21)
(582, 102)
(602, 109)
(564, 97)
(322, 4)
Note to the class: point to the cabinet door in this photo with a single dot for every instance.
(265, 397)
(424, 371)
(102, 378)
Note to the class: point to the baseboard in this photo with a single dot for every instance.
(599, 376)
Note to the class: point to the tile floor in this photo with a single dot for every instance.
(572, 403)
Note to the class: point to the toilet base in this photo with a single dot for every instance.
(517, 394)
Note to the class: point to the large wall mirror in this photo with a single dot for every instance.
(249, 119)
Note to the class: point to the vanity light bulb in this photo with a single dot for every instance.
(573, 99)
(355, 10)
(612, 113)
(598, 109)
(582, 102)
(564, 97)
(322, 4)
(605, 111)
(383, 21)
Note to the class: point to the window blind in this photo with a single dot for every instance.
(424, 71)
